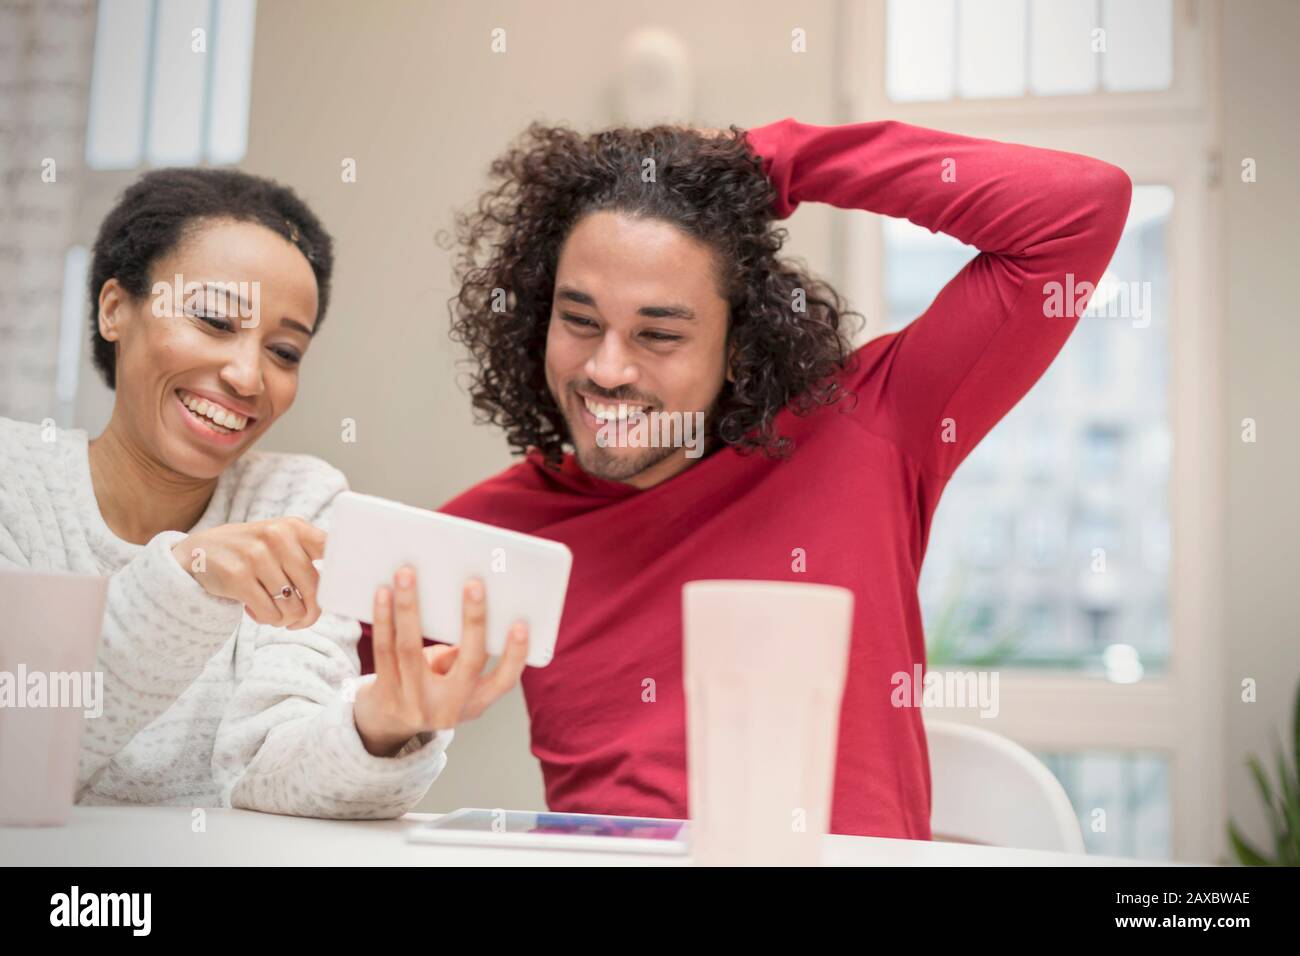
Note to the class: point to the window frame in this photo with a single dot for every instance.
(207, 154)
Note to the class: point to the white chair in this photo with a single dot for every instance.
(988, 789)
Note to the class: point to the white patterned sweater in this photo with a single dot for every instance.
(202, 706)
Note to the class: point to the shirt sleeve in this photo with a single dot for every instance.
(1045, 223)
(288, 741)
(160, 629)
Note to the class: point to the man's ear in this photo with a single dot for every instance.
(113, 302)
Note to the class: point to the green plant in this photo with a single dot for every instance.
(1283, 804)
(948, 642)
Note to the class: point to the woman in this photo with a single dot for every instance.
(224, 684)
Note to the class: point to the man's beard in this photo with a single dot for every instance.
(607, 464)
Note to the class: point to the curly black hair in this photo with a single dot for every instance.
(160, 209)
(712, 188)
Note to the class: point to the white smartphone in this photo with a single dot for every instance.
(370, 538)
(474, 826)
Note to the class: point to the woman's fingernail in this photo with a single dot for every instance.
(404, 578)
(519, 632)
(475, 590)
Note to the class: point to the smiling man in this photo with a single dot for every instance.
(637, 273)
(672, 363)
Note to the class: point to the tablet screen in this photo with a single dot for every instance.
(563, 824)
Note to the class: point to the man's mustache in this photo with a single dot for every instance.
(617, 395)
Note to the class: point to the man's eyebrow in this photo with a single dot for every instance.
(574, 295)
(666, 312)
(650, 311)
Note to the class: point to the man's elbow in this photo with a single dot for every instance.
(1112, 191)
(1103, 196)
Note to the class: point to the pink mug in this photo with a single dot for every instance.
(765, 664)
(50, 626)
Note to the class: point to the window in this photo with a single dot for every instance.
(982, 49)
(1111, 460)
(170, 82)
(72, 329)
(1063, 504)
(1120, 798)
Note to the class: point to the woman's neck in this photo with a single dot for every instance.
(139, 497)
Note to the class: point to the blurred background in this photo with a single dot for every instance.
(1122, 548)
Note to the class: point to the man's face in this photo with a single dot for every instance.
(637, 325)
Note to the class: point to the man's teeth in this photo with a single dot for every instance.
(611, 413)
(213, 412)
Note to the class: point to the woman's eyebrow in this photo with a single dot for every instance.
(231, 291)
(649, 311)
(294, 324)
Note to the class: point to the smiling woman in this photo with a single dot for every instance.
(224, 684)
(165, 355)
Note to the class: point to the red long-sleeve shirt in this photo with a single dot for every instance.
(857, 495)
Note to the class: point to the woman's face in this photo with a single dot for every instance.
(209, 357)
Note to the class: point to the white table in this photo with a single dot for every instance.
(163, 836)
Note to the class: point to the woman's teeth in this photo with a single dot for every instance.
(611, 413)
(214, 413)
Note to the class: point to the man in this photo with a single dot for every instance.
(636, 273)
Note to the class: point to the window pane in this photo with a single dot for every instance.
(179, 78)
(115, 128)
(73, 312)
(991, 48)
(919, 50)
(232, 51)
(915, 258)
(1060, 36)
(1050, 547)
(939, 49)
(1120, 799)
(1139, 45)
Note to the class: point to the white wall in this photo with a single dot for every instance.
(1261, 75)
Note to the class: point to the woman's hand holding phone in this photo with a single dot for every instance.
(420, 689)
(265, 565)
